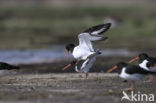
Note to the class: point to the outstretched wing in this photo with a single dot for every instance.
(85, 40)
(98, 29)
(92, 34)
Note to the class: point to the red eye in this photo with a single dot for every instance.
(154, 64)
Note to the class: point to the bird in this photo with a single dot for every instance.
(130, 73)
(5, 66)
(85, 51)
(146, 62)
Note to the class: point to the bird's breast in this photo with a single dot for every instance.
(81, 53)
(144, 65)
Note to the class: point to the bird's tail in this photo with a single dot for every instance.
(98, 51)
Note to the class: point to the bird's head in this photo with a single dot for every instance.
(140, 57)
(69, 47)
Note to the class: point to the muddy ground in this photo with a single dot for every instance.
(66, 88)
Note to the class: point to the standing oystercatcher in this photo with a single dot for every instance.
(146, 62)
(85, 51)
(6, 66)
(130, 72)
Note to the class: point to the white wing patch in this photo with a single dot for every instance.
(98, 31)
(144, 65)
(84, 41)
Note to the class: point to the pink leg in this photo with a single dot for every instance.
(86, 75)
(80, 76)
(151, 78)
(132, 86)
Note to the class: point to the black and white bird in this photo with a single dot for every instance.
(130, 72)
(146, 62)
(85, 51)
(6, 66)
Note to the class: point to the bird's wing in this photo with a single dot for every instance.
(98, 29)
(92, 34)
(84, 41)
(132, 69)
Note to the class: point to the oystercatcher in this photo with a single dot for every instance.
(130, 72)
(146, 62)
(85, 51)
(6, 66)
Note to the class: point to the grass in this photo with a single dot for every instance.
(36, 26)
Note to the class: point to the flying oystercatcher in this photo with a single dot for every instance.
(85, 51)
(146, 62)
(130, 73)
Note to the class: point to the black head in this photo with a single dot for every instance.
(142, 57)
(120, 65)
(70, 47)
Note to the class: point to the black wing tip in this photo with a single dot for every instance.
(96, 27)
(108, 25)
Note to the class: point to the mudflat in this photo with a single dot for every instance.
(66, 88)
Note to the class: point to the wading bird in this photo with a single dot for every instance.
(130, 72)
(85, 51)
(146, 62)
(6, 66)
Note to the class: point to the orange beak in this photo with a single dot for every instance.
(110, 70)
(135, 59)
(67, 52)
(66, 67)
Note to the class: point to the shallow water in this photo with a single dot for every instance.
(56, 53)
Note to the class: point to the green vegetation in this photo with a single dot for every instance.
(40, 26)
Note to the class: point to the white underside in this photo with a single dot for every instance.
(144, 65)
(127, 76)
(81, 53)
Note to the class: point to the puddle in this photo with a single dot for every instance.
(57, 53)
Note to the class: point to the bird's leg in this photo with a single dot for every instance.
(132, 86)
(86, 75)
(80, 76)
(151, 78)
